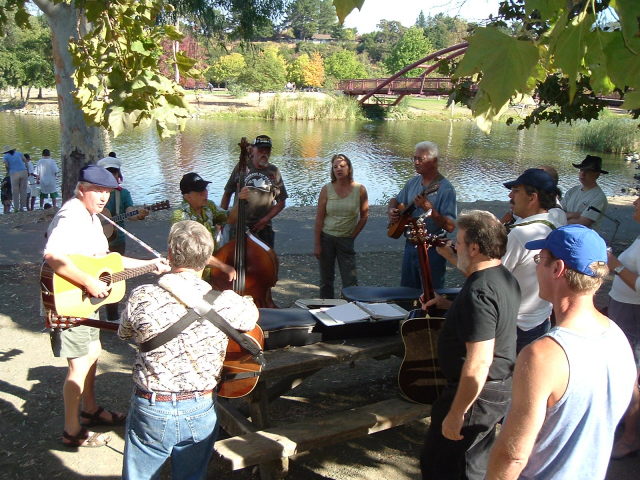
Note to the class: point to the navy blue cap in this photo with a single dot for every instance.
(97, 176)
(576, 245)
(536, 178)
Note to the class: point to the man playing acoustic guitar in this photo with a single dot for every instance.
(76, 229)
(442, 204)
(172, 413)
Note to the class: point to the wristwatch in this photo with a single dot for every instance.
(618, 269)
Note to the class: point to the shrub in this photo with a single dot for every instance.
(609, 134)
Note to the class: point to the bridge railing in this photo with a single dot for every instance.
(416, 84)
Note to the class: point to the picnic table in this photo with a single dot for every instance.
(254, 440)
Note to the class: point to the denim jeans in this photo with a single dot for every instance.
(340, 249)
(442, 458)
(411, 267)
(184, 430)
(525, 337)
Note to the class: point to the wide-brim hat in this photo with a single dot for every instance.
(536, 178)
(192, 182)
(97, 176)
(576, 245)
(7, 148)
(591, 162)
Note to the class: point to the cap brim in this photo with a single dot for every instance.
(536, 244)
(510, 184)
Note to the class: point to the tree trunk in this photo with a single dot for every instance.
(28, 95)
(39, 93)
(79, 143)
(175, 48)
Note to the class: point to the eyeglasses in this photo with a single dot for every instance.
(537, 258)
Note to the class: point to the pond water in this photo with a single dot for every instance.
(476, 164)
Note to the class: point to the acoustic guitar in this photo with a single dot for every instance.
(240, 370)
(109, 230)
(419, 378)
(397, 228)
(68, 299)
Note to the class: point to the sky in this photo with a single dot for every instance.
(407, 11)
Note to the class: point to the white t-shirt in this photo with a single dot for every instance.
(519, 261)
(47, 171)
(578, 200)
(75, 230)
(620, 291)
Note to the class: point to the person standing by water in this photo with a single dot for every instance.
(263, 190)
(32, 185)
(624, 309)
(343, 210)
(47, 172)
(17, 171)
(442, 204)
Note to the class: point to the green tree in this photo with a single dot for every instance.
(421, 21)
(411, 47)
(308, 17)
(343, 65)
(227, 69)
(106, 66)
(444, 31)
(296, 69)
(378, 44)
(266, 71)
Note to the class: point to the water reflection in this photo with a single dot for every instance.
(476, 164)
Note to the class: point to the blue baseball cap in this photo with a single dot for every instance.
(576, 245)
(97, 176)
(536, 178)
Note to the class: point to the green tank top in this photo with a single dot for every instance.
(342, 213)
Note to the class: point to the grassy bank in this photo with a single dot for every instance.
(611, 134)
(301, 107)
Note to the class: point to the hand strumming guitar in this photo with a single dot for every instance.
(441, 302)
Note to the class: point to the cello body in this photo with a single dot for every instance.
(260, 270)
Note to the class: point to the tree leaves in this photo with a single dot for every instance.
(344, 7)
(506, 64)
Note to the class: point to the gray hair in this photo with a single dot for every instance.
(76, 190)
(485, 230)
(429, 148)
(190, 245)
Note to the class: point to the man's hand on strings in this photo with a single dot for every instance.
(162, 265)
(97, 288)
(441, 302)
(422, 202)
(229, 271)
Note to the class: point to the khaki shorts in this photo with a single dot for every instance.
(73, 342)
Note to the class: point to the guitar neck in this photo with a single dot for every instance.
(425, 271)
(126, 215)
(133, 272)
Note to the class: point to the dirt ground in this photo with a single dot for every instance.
(30, 384)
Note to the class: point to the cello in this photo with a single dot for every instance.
(420, 379)
(256, 264)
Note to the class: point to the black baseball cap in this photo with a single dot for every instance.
(192, 182)
(262, 141)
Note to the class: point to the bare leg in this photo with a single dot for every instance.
(74, 387)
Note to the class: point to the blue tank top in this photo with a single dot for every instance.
(577, 435)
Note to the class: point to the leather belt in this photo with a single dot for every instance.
(161, 397)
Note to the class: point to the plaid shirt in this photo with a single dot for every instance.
(192, 361)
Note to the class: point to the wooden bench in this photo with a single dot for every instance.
(277, 443)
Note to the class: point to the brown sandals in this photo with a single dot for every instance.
(85, 438)
(94, 419)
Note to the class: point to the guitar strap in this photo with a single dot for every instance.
(511, 226)
(117, 201)
(212, 316)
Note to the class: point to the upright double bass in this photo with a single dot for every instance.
(256, 264)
